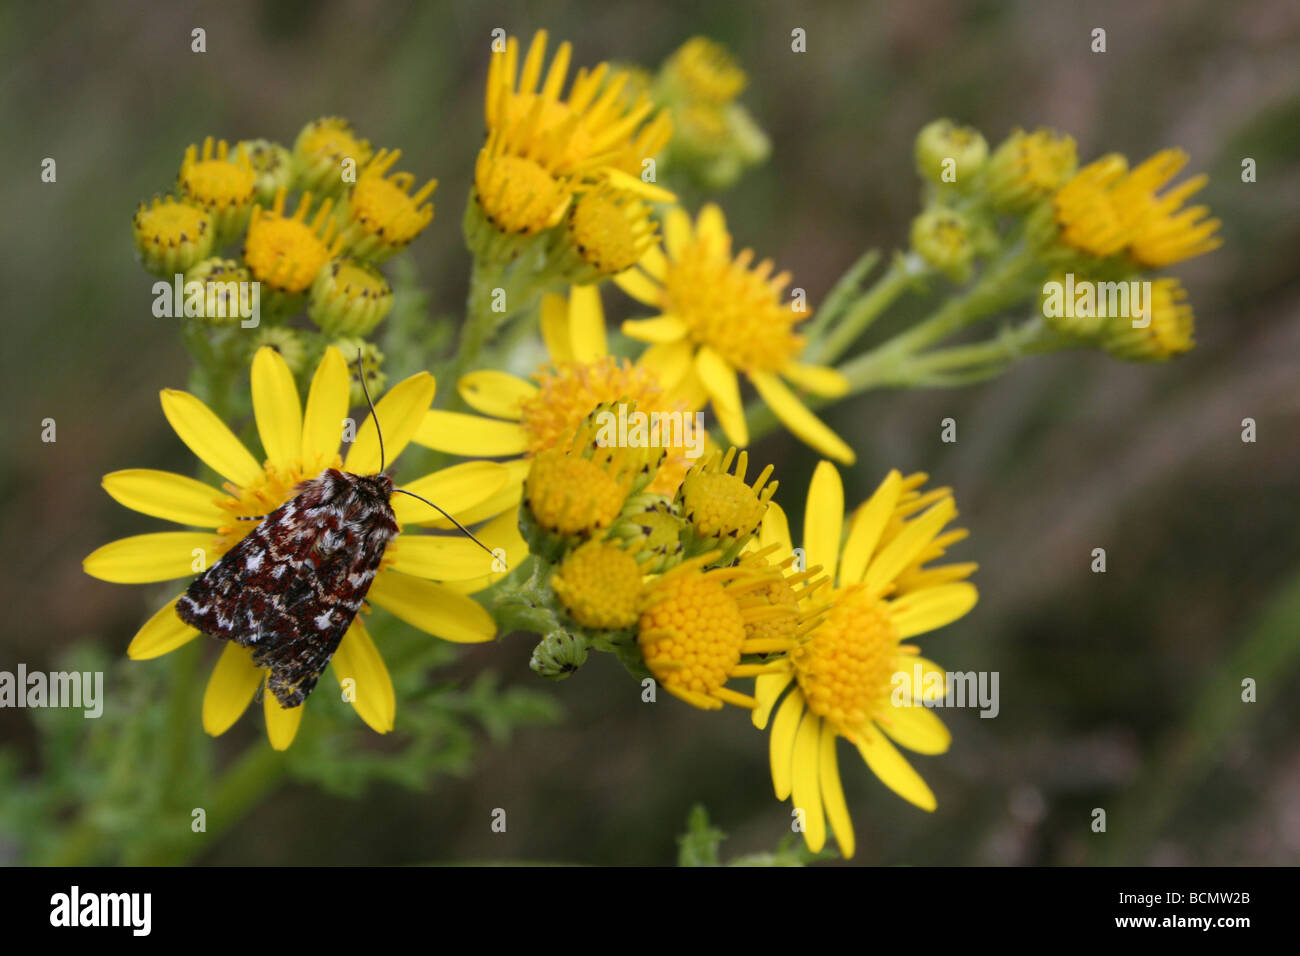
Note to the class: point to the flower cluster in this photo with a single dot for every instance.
(312, 224)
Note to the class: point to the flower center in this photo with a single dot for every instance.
(610, 232)
(845, 666)
(733, 309)
(691, 632)
(569, 391)
(517, 194)
(600, 585)
(218, 184)
(718, 504)
(170, 223)
(573, 495)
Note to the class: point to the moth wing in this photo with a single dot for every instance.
(292, 586)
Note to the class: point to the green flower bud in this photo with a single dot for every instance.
(326, 150)
(372, 361)
(1028, 168)
(273, 165)
(948, 153)
(946, 240)
(349, 297)
(222, 284)
(558, 655)
(290, 345)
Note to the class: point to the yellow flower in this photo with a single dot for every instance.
(576, 491)
(718, 316)
(517, 188)
(383, 216)
(840, 674)
(609, 227)
(350, 297)
(222, 184)
(1029, 167)
(299, 444)
(320, 151)
(1163, 232)
(1106, 209)
(1086, 213)
(1168, 333)
(721, 509)
(705, 72)
(693, 629)
(599, 584)
(286, 253)
(171, 236)
(527, 418)
(590, 129)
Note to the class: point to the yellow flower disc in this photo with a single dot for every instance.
(691, 632)
(600, 585)
(573, 495)
(846, 666)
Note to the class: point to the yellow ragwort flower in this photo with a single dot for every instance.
(589, 130)
(300, 444)
(1106, 208)
(383, 215)
(1163, 232)
(693, 629)
(171, 236)
(527, 418)
(576, 490)
(321, 152)
(1168, 333)
(841, 674)
(222, 183)
(1029, 167)
(718, 317)
(705, 72)
(609, 227)
(287, 252)
(599, 584)
(720, 507)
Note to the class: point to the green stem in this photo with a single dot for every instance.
(904, 271)
(845, 288)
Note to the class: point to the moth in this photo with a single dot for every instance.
(292, 586)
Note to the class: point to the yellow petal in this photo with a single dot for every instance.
(907, 544)
(499, 394)
(207, 436)
(928, 688)
(162, 633)
(932, 608)
(916, 729)
(145, 558)
(677, 232)
(432, 608)
(807, 791)
(327, 407)
(281, 722)
(818, 379)
(894, 771)
(670, 361)
(401, 411)
(231, 687)
(358, 660)
(555, 327)
(504, 500)
(502, 532)
(711, 225)
(640, 287)
(654, 263)
(823, 521)
(455, 490)
(276, 407)
(720, 381)
(439, 557)
(776, 530)
(166, 495)
(833, 791)
(781, 743)
(468, 435)
(637, 186)
(866, 527)
(767, 690)
(662, 329)
(796, 417)
(586, 324)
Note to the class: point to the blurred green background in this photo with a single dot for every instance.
(1118, 690)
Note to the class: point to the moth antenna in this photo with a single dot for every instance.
(361, 371)
(469, 534)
